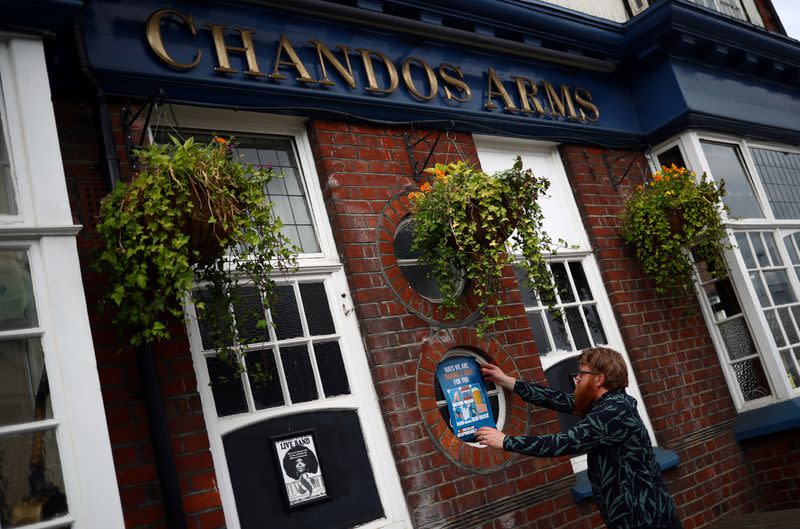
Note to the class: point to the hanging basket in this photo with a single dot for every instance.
(207, 238)
(475, 214)
(675, 220)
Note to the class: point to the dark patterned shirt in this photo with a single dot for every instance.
(625, 477)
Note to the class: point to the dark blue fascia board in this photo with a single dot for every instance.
(664, 24)
(39, 16)
(582, 490)
(775, 418)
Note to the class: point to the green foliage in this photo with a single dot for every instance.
(154, 250)
(673, 214)
(464, 220)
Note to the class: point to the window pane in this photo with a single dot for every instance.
(418, 277)
(671, 156)
(562, 282)
(24, 391)
(744, 247)
(577, 328)
(265, 384)
(403, 239)
(285, 314)
(581, 283)
(595, 326)
(726, 164)
(17, 305)
(528, 295)
(539, 334)
(722, 299)
(775, 328)
(8, 205)
(736, 335)
(791, 369)
(759, 250)
(559, 331)
(318, 312)
(331, 369)
(212, 320)
(226, 386)
(752, 379)
(788, 325)
(761, 292)
(780, 174)
(30, 472)
(778, 285)
(299, 373)
(250, 318)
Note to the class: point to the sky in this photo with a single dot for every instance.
(789, 15)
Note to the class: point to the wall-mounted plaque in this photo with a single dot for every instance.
(301, 473)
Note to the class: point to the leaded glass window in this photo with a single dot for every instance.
(574, 322)
(297, 354)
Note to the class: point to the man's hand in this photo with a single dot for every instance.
(491, 437)
(496, 375)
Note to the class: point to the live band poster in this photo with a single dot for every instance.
(467, 402)
(301, 473)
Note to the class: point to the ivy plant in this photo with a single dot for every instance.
(468, 225)
(671, 220)
(193, 220)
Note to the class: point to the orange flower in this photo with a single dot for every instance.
(222, 141)
(439, 174)
(426, 187)
(639, 188)
(657, 177)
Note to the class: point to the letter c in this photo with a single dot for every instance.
(153, 31)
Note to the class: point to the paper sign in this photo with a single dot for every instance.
(467, 402)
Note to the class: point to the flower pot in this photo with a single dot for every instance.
(675, 220)
(504, 230)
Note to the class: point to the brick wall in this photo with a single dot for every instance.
(116, 360)
(776, 463)
(364, 172)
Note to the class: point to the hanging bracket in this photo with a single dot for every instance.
(129, 118)
(418, 167)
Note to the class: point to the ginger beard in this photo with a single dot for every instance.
(584, 398)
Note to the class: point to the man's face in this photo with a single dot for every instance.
(585, 390)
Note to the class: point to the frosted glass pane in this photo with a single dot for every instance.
(791, 369)
(775, 328)
(752, 379)
(17, 305)
(736, 336)
(788, 325)
(24, 390)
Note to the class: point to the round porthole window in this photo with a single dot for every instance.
(497, 399)
(416, 274)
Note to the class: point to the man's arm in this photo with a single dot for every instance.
(604, 425)
(545, 397)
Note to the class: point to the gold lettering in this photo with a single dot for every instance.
(527, 97)
(294, 61)
(409, 81)
(324, 53)
(394, 81)
(495, 82)
(456, 83)
(156, 42)
(223, 49)
(560, 105)
(584, 99)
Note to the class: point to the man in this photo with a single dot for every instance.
(625, 477)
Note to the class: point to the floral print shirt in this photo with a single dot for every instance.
(625, 477)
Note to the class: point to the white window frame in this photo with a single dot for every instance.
(692, 151)
(43, 227)
(570, 216)
(326, 266)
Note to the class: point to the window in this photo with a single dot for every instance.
(732, 8)
(417, 275)
(497, 399)
(754, 314)
(310, 354)
(56, 466)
